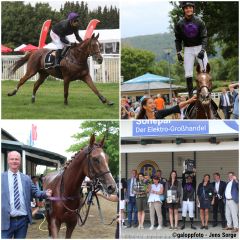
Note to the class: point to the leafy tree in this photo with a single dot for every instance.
(109, 129)
(135, 62)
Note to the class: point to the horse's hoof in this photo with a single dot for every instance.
(65, 103)
(109, 103)
(12, 93)
(33, 100)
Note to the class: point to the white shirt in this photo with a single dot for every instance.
(228, 194)
(153, 197)
(133, 182)
(226, 101)
(217, 184)
(22, 210)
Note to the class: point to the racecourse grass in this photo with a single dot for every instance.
(82, 102)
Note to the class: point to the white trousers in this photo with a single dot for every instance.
(56, 42)
(190, 54)
(188, 206)
(231, 213)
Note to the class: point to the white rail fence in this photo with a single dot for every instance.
(107, 72)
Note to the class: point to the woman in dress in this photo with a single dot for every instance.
(173, 194)
(205, 199)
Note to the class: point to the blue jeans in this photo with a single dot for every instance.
(18, 229)
(132, 207)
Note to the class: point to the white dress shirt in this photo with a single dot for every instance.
(22, 210)
(228, 194)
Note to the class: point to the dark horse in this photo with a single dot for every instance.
(66, 198)
(73, 67)
(204, 107)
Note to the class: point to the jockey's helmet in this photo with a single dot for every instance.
(72, 16)
(186, 4)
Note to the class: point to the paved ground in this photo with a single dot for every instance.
(165, 233)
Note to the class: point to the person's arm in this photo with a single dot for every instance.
(204, 36)
(64, 40)
(112, 197)
(178, 38)
(77, 36)
(36, 193)
(234, 85)
(183, 180)
(189, 101)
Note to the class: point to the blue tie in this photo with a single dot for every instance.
(16, 192)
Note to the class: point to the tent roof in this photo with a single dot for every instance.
(146, 86)
(5, 49)
(20, 47)
(105, 35)
(148, 77)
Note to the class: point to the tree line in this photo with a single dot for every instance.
(22, 23)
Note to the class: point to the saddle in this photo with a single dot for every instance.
(50, 58)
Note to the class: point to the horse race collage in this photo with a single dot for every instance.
(119, 119)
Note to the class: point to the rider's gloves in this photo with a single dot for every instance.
(201, 54)
(180, 57)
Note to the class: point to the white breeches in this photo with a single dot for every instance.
(56, 42)
(190, 54)
(188, 206)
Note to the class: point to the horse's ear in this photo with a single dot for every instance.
(92, 140)
(198, 68)
(208, 68)
(93, 36)
(102, 142)
(97, 36)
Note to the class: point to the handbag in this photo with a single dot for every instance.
(172, 196)
(162, 197)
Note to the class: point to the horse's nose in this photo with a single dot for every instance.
(110, 189)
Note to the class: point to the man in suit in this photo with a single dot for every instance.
(225, 103)
(232, 199)
(131, 199)
(17, 191)
(218, 206)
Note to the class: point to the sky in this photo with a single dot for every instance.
(143, 17)
(52, 135)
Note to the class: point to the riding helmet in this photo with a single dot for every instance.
(72, 16)
(186, 3)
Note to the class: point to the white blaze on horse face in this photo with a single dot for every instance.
(103, 155)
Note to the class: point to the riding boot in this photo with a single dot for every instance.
(183, 226)
(189, 81)
(64, 51)
(192, 226)
(57, 58)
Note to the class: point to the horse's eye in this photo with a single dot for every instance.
(96, 160)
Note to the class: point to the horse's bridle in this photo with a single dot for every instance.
(91, 173)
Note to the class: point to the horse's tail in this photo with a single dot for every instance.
(19, 63)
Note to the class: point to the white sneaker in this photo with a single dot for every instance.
(159, 227)
(139, 226)
(151, 228)
(142, 227)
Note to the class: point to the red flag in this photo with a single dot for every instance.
(44, 32)
(34, 132)
(90, 28)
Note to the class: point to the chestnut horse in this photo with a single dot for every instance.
(73, 67)
(204, 107)
(66, 198)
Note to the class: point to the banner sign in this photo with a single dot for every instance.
(168, 128)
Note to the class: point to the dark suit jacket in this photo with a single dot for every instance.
(222, 100)
(29, 191)
(221, 190)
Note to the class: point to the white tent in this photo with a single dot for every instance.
(19, 47)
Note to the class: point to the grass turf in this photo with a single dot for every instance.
(82, 102)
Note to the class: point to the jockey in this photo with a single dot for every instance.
(61, 30)
(191, 30)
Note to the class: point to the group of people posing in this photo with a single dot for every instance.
(164, 196)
